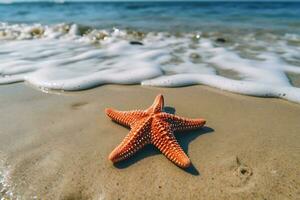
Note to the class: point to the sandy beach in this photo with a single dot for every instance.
(235, 64)
(55, 146)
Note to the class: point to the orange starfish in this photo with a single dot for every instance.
(152, 126)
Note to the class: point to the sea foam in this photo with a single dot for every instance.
(65, 57)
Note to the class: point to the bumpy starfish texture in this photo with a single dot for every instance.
(152, 126)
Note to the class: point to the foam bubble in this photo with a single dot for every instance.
(64, 57)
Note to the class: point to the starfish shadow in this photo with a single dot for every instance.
(183, 139)
(169, 110)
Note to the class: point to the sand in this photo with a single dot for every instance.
(55, 146)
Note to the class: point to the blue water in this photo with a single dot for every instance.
(161, 16)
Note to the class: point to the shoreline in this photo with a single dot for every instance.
(56, 146)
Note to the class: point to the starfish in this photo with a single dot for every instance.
(152, 126)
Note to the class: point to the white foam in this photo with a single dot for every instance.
(60, 57)
(6, 189)
(236, 86)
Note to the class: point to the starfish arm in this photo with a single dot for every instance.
(126, 118)
(157, 105)
(163, 138)
(137, 138)
(181, 123)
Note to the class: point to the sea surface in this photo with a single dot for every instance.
(251, 48)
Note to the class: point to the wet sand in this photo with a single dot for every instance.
(56, 146)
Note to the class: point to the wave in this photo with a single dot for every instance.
(72, 57)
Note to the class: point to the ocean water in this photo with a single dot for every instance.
(243, 47)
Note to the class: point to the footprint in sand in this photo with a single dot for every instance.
(236, 175)
(243, 171)
(77, 105)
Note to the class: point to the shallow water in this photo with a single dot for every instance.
(76, 46)
(158, 16)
